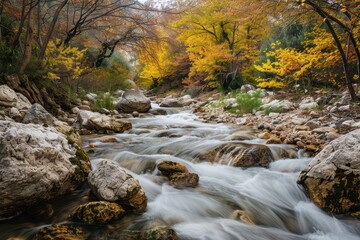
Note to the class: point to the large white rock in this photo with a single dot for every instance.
(285, 105)
(134, 100)
(8, 97)
(22, 102)
(332, 178)
(100, 122)
(109, 182)
(37, 164)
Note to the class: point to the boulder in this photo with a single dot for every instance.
(37, 114)
(283, 105)
(134, 100)
(332, 178)
(240, 155)
(307, 106)
(182, 180)
(100, 122)
(109, 182)
(22, 102)
(8, 97)
(58, 231)
(100, 212)
(171, 102)
(168, 168)
(91, 97)
(41, 164)
(108, 123)
(178, 174)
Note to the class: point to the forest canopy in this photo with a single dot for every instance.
(196, 45)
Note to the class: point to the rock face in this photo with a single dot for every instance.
(134, 100)
(109, 182)
(39, 162)
(241, 155)
(58, 231)
(37, 114)
(332, 178)
(8, 97)
(178, 174)
(97, 212)
(100, 122)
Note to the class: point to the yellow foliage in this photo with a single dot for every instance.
(289, 64)
(63, 61)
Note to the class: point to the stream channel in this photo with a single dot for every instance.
(271, 196)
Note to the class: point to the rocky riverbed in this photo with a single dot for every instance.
(165, 173)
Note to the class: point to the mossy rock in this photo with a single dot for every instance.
(168, 168)
(82, 163)
(182, 180)
(97, 212)
(155, 233)
(62, 232)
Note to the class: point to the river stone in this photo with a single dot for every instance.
(154, 233)
(97, 212)
(241, 155)
(134, 100)
(168, 168)
(171, 102)
(108, 123)
(182, 180)
(332, 178)
(63, 232)
(37, 114)
(8, 97)
(109, 182)
(41, 164)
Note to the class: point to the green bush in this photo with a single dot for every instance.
(104, 101)
(246, 102)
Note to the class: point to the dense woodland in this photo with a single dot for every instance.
(68, 48)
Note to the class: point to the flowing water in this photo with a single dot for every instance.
(269, 197)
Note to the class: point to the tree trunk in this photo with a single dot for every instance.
(344, 60)
(51, 30)
(28, 47)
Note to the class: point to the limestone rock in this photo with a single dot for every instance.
(41, 164)
(100, 122)
(37, 114)
(240, 155)
(22, 102)
(109, 123)
(134, 100)
(171, 102)
(332, 178)
(8, 97)
(97, 212)
(65, 232)
(109, 182)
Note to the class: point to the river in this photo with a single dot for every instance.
(269, 196)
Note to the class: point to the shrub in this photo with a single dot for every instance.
(246, 102)
(104, 101)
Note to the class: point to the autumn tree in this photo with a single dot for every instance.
(341, 19)
(220, 42)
